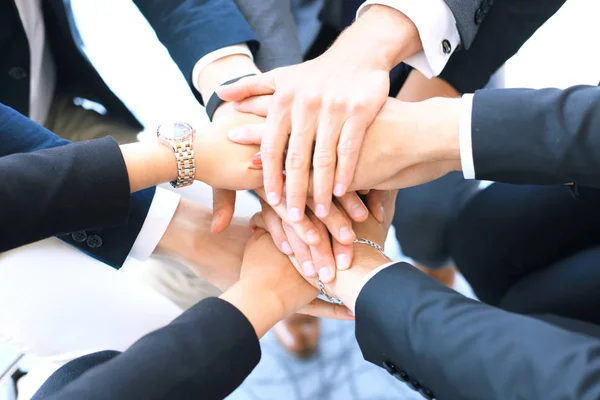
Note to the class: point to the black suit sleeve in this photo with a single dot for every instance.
(509, 24)
(453, 348)
(205, 353)
(63, 189)
(547, 136)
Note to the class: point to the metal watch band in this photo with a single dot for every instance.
(186, 164)
(215, 101)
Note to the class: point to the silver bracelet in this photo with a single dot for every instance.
(335, 300)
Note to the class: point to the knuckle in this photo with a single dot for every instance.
(267, 150)
(348, 146)
(296, 160)
(335, 104)
(358, 106)
(311, 101)
(284, 96)
(324, 159)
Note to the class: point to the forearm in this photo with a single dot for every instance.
(382, 35)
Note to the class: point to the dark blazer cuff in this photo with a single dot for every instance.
(113, 245)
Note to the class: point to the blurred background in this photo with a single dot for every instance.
(564, 52)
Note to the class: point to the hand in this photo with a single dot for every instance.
(270, 289)
(316, 259)
(214, 258)
(332, 99)
(223, 199)
(411, 144)
(305, 239)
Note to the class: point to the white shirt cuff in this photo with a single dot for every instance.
(465, 137)
(435, 22)
(202, 63)
(158, 219)
(368, 278)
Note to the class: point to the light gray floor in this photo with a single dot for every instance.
(562, 53)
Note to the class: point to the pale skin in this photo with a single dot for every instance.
(314, 102)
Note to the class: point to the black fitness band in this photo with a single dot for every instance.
(215, 101)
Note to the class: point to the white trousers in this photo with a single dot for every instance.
(57, 304)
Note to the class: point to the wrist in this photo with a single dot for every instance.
(261, 307)
(385, 34)
(222, 70)
(148, 164)
(348, 283)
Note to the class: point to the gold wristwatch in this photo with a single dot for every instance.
(179, 136)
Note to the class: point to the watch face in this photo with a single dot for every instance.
(176, 130)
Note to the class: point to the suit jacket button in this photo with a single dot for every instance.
(478, 16)
(426, 393)
(17, 73)
(401, 376)
(446, 47)
(94, 241)
(389, 367)
(79, 236)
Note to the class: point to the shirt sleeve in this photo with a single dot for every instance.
(437, 29)
(202, 63)
(465, 137)
(159, 217)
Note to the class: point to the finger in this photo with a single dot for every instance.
(351, 139)
(337, 222)
(322, 254)
(223, 209)
(363, 192)
(257, 105)
(299, 154)
(375, 202)
(323, 309)
(257, 222)
(301, 252)
(324, 158)
(344, 254)
(249, 86)
(354, 206)
(305, 229)
(274, 141)
(247, 134)
(273, 225)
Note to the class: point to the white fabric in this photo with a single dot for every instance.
(157, 220)
(216, 55)
(465, 137)
(58, 303)
(435, 22)
(42, 68)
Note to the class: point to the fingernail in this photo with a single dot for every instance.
(236, 133)
(313, 237)
(339, 190)
(325, 275)
(295, 214)
(309, 268)
(346, 234)
(358, 211)
(343, 261)
(321, 211)
(253, 229)
(287, 249)
(257, 160)
(272, 198)
(382, 212)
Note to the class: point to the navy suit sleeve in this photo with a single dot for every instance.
(450, 347)
(190, 29)
(205, 353)
(19, 134)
